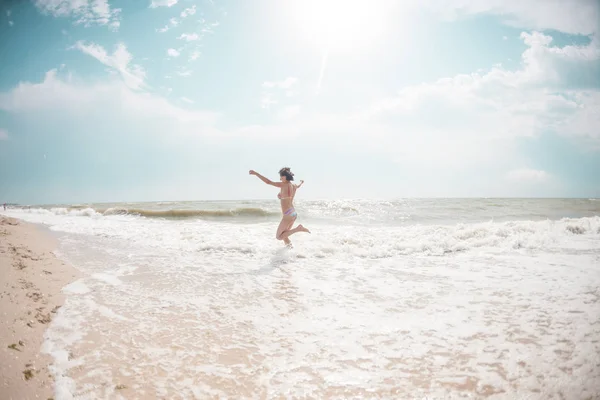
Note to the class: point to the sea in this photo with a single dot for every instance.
(384, 299)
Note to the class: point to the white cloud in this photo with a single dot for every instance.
(187, 100)
(575, 17)
(132, 75)
(273, 90)
(527, 175)
(173, 22)
(195, 55)
(185, 72)
(267, 101)
(10, 23)
(188, 11)
(173, 53)
(504, 38)
(554, 91)
(85, 12)
(284, 84)
(3, 134)
(8, 13)
(189, 37)
(462, 121)
(581, 117)
(162, 3)
(69, 98)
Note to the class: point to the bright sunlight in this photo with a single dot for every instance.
(340, 24)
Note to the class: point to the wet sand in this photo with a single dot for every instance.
(31, 280)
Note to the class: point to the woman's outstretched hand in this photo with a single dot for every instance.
(262, 178)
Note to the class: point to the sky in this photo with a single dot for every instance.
(158, 100)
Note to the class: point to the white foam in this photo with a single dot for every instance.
(107, 278)
(64, 331)
(77, 287)
(428, 309)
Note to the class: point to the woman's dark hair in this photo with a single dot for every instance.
(287, 173)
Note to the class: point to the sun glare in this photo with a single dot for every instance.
(340, 24)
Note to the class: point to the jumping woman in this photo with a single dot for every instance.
(286, 195)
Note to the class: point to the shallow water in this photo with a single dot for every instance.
(368, 306)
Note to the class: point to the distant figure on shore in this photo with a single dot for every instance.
(286, 195)
(4, 206)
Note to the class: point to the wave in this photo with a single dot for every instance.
(440, 240)
(566, 235)
(171, 214)
(75, 211)
(236, 212)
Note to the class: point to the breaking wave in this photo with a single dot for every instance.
(237, 212)
(171, 214)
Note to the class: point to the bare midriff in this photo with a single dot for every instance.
(286, 196)
(286, 204)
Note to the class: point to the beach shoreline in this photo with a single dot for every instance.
(30, 294)
(196, 308)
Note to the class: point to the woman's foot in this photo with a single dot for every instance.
(302, 229)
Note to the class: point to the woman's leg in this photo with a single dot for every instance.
(285, 225)
(286, 234)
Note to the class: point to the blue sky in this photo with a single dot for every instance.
(177, 99)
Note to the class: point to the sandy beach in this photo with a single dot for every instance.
(30, 294)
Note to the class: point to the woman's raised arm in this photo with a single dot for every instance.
(265, 180)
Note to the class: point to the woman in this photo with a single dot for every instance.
(286, 195)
